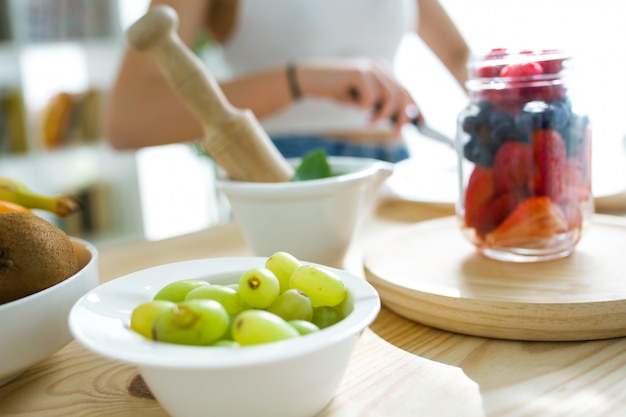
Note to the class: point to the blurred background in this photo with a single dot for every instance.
(61, 55)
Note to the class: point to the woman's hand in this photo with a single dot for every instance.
(365, 83)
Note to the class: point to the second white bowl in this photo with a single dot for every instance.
(314, 220)
(34, 327)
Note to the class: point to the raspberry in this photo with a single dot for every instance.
(524, 70)
(552, 65)
(522, 81)
(496, 53)
(490, 70)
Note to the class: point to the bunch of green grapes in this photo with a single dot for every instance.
(280, 300)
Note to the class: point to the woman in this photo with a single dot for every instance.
(316, 73)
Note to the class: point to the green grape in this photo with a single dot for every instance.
(325, 316)
(346, 306)
(323, 287)
(177, 291)
(192, 322)
(303, 327)
(253, 327)
(259, 287)
(292, 305)
(142, 316)
(282, 264)
(226, 343)
(226, 296)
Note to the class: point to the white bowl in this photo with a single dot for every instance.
(292, 378)
(314, 220)
(35, 327)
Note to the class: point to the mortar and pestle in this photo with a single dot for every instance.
(233, 137)
(314, 220)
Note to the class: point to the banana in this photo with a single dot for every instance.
(18, 193)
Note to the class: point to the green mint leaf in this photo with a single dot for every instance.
(314, 165)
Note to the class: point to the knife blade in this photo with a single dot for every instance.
(431, 133)
(416, 121)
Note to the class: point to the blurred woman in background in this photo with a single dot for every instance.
(316, 73)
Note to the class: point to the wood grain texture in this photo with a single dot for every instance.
(521, 379)
(431, 274)
(400, 368)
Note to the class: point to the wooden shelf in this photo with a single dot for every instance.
(44, 44)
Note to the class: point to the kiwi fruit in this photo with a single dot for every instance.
(34, 255)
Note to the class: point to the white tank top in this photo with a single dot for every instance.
(273, 32)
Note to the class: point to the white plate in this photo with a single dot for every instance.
(415, 180)
(429, 176)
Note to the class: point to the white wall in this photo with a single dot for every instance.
(593, 30)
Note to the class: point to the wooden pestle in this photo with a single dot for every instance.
(233, 137)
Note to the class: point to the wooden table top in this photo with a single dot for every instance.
(399, 368)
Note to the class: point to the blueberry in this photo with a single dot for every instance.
(469, 124)
(520, 135)
(486, 155)
(500, 133)
(485, 108)
(483, 133)
(558, 114)
(470, 150)
(574, 133)
(503, 128)
(500, 117)
(481, 154)
(487, 128)
(524, 125)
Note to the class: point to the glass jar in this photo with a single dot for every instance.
(524, 147)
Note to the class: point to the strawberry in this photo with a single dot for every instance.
(550, 157)
(492, 213)
(573, 214)
(512, 166)
(535, 218)
(576, 190)
(581, 158)
(479, 190)
(576, 187)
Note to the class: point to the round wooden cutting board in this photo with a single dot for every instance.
(431, 274)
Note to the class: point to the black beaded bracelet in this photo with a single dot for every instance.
(294, 88)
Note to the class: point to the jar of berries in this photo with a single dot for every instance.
(524, 145)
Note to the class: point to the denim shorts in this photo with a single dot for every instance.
(296, 146)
